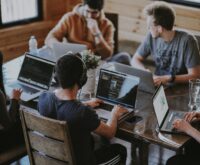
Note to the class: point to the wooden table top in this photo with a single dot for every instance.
(145, 129)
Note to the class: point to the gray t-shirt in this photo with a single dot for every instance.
(173, 57)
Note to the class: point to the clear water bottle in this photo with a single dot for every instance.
(33, 45)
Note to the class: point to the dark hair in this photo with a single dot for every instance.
(70, 70)
(95, 4)
(163, 14)
(1, 75)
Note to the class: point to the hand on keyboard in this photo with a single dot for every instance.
(94, 102)
(118, 111)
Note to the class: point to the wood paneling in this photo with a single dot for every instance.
(14, 40)
(132, 24)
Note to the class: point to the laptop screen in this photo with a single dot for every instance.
(36, 71)
(117, 88)
(160, 104)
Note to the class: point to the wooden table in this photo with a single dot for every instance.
(143, 132)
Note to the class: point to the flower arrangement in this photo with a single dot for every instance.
(91, 61)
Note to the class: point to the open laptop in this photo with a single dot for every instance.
(116, 88)
(164, 115)
(60, 48)
(146, 78)
(34, 77)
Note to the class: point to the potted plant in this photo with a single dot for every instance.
(91, 61)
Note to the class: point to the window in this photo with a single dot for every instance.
(193, 3)
(19, 11)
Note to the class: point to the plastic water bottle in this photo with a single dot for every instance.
(33, 45)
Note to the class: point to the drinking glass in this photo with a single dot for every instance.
(194, 95)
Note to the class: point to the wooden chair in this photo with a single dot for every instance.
(47, 140)
(113, 17)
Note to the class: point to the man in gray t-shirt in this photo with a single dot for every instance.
(175, 53)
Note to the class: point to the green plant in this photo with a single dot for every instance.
(91, 61)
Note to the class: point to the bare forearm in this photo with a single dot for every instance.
(185, 78)
(137, 63)
(103, 48)
(194, 133)
(112, 123)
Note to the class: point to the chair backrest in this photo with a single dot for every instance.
(47, 140)
(113, 17)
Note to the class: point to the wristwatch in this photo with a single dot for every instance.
(97, 34)
(172, 78)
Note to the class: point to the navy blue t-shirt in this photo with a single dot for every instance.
(82, 120)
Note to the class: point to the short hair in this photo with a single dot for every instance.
(69, 70)
(95, 4)
(163, 14)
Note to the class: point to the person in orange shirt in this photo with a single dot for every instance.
(87, 24)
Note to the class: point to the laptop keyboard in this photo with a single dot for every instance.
(108, 107)
(25, 88)
(176, 115)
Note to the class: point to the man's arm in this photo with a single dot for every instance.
(58, 32)
(103, 47)
(137, 61)
(185, 126)
(193, 73)
(109, 129)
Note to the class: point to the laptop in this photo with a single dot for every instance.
(164, 115)
(146, 78)
(34, 77)
(60, 49)
(116, 89)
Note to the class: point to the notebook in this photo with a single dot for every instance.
(146, 78)
(60, 49)
(164, 115)
(116, 88)
(34, 77)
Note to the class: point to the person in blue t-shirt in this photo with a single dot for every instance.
(175, 52)
(82, 120)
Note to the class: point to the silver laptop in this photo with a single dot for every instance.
(164, 115)
(34, 77)
(60, 48)
(146, 78)
(116, 88)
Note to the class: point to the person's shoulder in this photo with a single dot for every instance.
(185, 35)
(106, 21)
(45, 95)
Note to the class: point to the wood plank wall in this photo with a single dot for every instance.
(14, 40)
(132, 24)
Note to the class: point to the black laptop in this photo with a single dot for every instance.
(164, 115)
(116, 88)
(146, 78)
(34, 77)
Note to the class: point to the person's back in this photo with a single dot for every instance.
(81, 121)
(61, 104)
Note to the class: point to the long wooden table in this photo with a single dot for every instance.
(139, 133)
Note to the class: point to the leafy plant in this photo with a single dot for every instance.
(91, 60)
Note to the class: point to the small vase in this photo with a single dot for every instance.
(90, 84)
